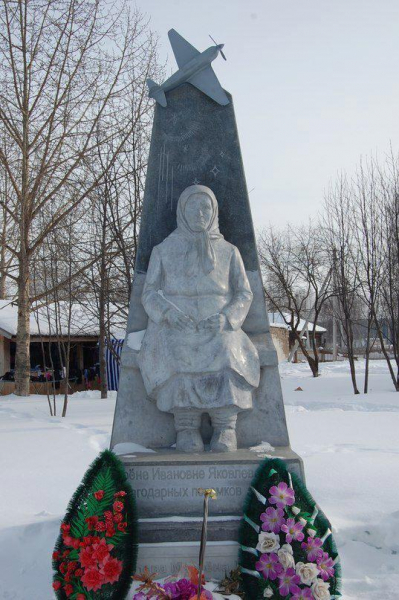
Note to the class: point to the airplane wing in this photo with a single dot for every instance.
(207, 82)
(183, 51)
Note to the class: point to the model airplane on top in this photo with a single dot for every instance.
(194, 67)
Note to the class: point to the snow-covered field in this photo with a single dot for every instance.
(350, 447)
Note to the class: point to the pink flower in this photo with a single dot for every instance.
(282, 495)
(313, 548)
(272, 519)
(269, 566)
(289, 582)
(293, 530)
(86, 557)
(92, 579)
(101, 550)
(325, 564)
(111, 569)
(305, 594)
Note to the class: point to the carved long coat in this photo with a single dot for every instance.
(199, 369)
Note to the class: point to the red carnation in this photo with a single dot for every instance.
(86, 557)
(70, 541)
(99, 495)
(68, 589)
(120, 494)
(108, 515)
(56, 555)
(117, 506)
(118, 517)
(111, 569)
(66, 553)
(63, 568)
(122, 527)
(57, 585)
(73, 565)
(101, 550)
(66, 528)
(110, 531)
(80, 597)
(91, 522)
(100, 526)
(78, 572)
(92, 579)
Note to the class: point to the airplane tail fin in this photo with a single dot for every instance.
(155, 91)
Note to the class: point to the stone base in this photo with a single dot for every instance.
(165, 485)
(167, 558)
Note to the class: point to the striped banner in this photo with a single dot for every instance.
(113, 364)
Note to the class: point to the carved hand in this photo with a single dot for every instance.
(179, 320)
(214, 323)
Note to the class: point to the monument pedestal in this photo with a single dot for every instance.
(165, 485)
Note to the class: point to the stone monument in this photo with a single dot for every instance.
(199, 388)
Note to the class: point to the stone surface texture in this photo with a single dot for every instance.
(195, 141)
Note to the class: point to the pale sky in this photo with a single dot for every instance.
(315, 85)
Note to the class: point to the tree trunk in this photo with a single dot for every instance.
(22, 358)
(367, 356)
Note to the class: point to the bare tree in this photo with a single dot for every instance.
(339, 231)
(296, 277)
(65, 67)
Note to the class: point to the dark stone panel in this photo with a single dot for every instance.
(195, 140)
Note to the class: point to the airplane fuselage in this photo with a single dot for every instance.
(195, 65)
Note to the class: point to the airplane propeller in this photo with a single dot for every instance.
(220, 49)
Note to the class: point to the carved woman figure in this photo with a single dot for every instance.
(195, 358)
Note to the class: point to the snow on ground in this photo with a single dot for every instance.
(349, 444)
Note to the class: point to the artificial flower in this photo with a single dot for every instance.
(325, 564)
(293, 530)
(268, 593)
(92, 579)
(308, 572)
(101, 550)
(181, 590)
(272, 519)
(269, 566)
(285, 556)
(99, 495)
(57, 585)
(111, 569)
(288, 582)
(305, 594)
(68, 589)
(268, 542)
(312, 546)
(117, 506)
(321, 590)
(86, 557)
(282, 495)
(91, 522)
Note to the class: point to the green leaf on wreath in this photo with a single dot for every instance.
(323, 560)
(96, 551)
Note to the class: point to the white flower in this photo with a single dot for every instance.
(268, 542)
(285, 556)
(320, 590)
(268, 593)
(307, 572)
(295, 510)
(303, 521)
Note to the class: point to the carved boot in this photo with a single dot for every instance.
(187, 424)
(224, 437)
